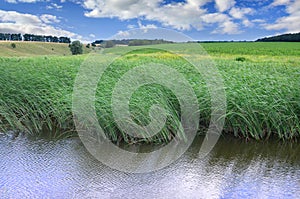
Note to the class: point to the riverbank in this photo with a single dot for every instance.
(262, 96)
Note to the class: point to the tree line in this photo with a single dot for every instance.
(283, 38)
(32, 37)
(129, 42)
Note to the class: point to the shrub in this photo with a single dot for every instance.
(13, 45)
(242, 59)
(76, 47)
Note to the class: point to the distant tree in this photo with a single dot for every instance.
(16, 37)
(109, 44)
(98, 42)
(282, 38)
(13, 45)
(27, 37)
(76, 47)
(64, 40)
(55, 39)
(87, 46)
(7, 36)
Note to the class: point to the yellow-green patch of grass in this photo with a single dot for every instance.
(29, 49)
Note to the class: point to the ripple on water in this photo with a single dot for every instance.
(64, 169)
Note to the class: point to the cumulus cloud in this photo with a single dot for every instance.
(24, 1)
(224, 22)
(54, 6)
(227, 27)
(123, 34)
(131, 26)
(190, 12)
(181, 16)
(290, 23)
(48, 19)
(258, 21)
(223, 5)
(247, 23)
(239, 13)
(280, 2)
(15, 22)
(214, 18)
(143, 28)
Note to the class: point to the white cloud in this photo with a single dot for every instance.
(92, 35)
(294, 8)
(168, 15)
(48, 19)
(258, 21)
(145, 27)
(180, 16)
(280, 2)
(290, 23)
(14, 17)
(225, 24)
(247, 23)
(223, 5)
(215, 18)
(228, 27)
(54, 6)
(239, 13)
(141, 28)
(15, 22)
(24, 1)
(131, 26)
(123, 34)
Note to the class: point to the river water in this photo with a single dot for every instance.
(234, 169)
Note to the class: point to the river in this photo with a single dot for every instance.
(234, 169)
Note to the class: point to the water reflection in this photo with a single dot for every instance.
(64, 169)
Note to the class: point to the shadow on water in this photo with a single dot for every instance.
(234, 169)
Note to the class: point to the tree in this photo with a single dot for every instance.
(282, 38)
(109, 44)
(76, 47)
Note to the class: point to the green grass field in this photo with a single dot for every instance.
(263, 91)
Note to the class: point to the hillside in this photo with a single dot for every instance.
(282, 38)
(25, 49)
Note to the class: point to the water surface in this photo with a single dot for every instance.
(234, 169)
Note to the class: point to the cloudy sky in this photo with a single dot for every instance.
(88, 20)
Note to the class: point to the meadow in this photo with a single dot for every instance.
(33, 49)
(262, 84)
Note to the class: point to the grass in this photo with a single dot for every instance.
(36, 94)
(29, 49)
(259, 52)
(263, 97)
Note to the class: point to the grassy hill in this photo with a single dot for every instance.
(24, 49)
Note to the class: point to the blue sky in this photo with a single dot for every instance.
(88, 20)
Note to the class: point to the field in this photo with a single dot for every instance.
(261, 82)
(29, 49)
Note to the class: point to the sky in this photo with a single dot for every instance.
(88, 20)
